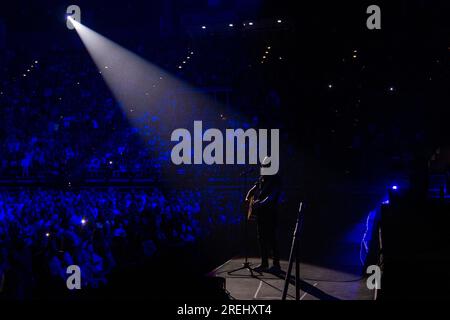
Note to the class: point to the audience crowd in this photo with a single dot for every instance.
(43, 231)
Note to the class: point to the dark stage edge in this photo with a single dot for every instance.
(318, 283)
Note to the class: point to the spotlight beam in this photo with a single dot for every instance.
(138, 85)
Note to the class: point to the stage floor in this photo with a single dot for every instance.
(318, 283)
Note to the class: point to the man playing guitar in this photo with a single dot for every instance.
(262, 201)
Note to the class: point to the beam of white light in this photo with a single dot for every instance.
(138, 85)
(144, 89)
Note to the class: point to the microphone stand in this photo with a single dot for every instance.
(245, 264)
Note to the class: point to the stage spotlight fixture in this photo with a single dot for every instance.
(73, 13)
(394, 194)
